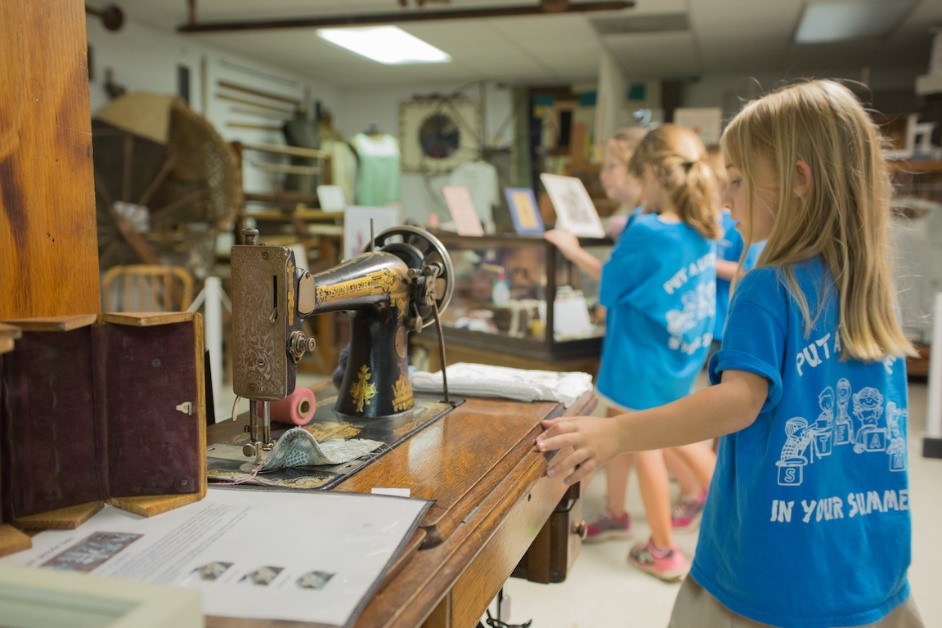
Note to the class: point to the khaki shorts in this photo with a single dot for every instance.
(695, 608)
(609, 407)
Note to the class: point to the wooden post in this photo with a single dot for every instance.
(48, 240)
(578, 139)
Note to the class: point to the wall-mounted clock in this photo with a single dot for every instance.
(438, 134)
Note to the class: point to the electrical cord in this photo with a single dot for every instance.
(495, 622)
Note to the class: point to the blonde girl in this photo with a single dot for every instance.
(658, 290)
(807, 520)
(618, 183)
(621, 186)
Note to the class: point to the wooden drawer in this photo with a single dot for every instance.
(557, 545)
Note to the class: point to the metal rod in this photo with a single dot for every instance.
(266, 426)
(441, 351)
(389, 18)
(253, 425)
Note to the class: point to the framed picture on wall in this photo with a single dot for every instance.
(524, 210)
(356, 226)
(574, 209)
(435, 135)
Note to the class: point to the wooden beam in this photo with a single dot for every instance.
(252, 103)
(259, 92)
(254, 126)
(294, 151)
(48, 239)
(412, 16)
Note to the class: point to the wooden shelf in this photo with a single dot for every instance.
(280, 198)
(278, 149)
(314, 215)
(919, 366)
(915, 166)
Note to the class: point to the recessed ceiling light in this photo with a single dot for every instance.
(849, 19)
(386, 44)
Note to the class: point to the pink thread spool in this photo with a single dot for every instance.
(297, 408)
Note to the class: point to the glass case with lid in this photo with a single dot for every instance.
(504, 288)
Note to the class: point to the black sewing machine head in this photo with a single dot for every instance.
(397, 286)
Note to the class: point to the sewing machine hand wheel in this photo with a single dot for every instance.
(422, 252)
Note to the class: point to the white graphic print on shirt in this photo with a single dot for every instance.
(865, 421)
(699, 303)
(807, 442)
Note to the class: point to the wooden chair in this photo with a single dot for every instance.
(146, 288)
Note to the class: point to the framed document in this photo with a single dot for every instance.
(524, 210)
(461, 208)
(574, 209)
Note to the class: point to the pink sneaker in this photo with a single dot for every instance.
(685, 516)
(668, 564)
(607, 526)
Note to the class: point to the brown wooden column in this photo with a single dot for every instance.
(48, 242)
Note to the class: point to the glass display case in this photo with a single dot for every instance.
(518, 295)
(916, 230)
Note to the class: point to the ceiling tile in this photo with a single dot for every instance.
(748, 37)
(664, 55)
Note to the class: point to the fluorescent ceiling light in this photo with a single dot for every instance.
(842, 19)
(386, 44)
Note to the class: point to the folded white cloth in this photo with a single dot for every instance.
(499, 381)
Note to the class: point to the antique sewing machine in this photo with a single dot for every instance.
(399, 285)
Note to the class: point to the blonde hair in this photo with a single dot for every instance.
(844, 217)
(714, 157)
(678, 158)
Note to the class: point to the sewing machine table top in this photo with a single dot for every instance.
(228, 464)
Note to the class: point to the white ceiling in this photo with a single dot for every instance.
(722, 37)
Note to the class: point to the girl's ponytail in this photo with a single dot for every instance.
(695, 198)
(678, 159)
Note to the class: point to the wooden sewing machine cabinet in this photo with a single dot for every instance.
(494, 514)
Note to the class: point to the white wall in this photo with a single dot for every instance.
(730, 91)
(144, 59)
(361, 107)
(421, 193)
(610, 99)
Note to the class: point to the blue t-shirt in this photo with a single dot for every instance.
(659, 291)
(632, 215)
(729, 248)
(807, 522)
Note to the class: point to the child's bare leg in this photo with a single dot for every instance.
(616, 485)
(616, 477)
(655, 492)
(685, 476)
(700, 459)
